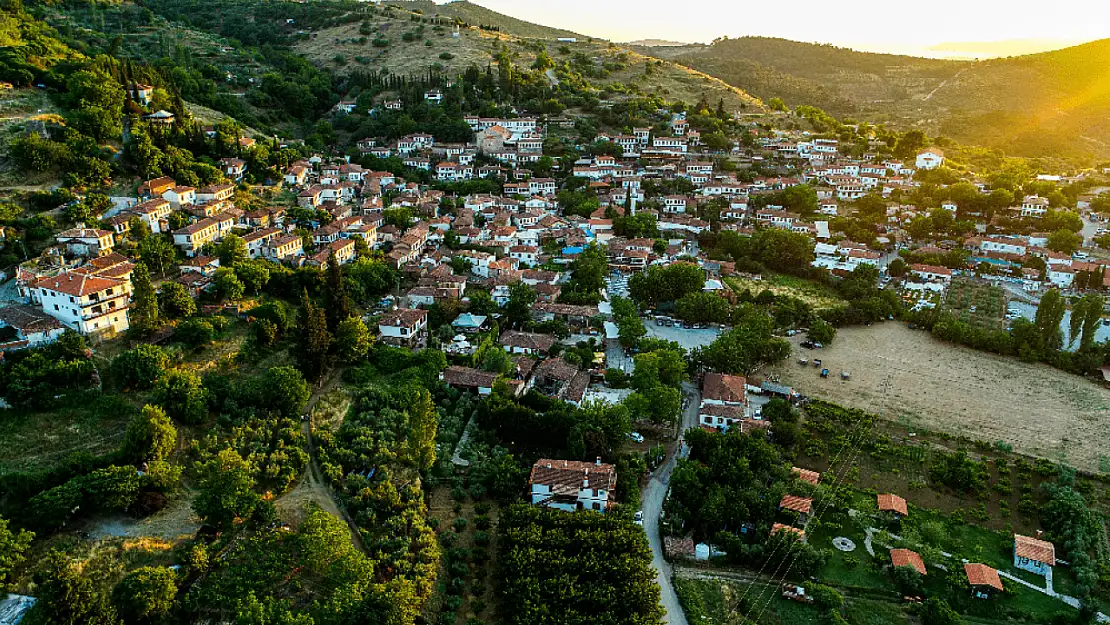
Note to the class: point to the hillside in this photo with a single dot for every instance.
(1032, 105)
(407, 43)
(476, 15)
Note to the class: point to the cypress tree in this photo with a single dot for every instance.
(143, 315)
(314, 341)
(339, 304)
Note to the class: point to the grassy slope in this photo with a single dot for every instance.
(474, 47)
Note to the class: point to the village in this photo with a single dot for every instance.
(626, 314)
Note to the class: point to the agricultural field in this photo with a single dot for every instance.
(916, 381)
(980, 305)
(818, 296)
(38, 440)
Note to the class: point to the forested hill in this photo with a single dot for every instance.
(1048, 103)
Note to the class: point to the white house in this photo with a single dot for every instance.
(1034, 206)
(571, 485)
(86, 303)
(86, 241)
(930, 158)
(403, 326)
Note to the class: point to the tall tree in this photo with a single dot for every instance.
(314, 339)
(338, 302)
(1050, 313)
(1091, 319)
(225, 490)
(143, 315)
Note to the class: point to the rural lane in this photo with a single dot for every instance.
(652, 500)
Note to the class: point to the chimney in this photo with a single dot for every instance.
(548, 465)
(599, 461)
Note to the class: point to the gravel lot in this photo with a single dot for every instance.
(934, 385)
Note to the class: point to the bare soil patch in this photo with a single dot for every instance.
(909, 377)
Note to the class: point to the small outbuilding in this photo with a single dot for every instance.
(983, 579)
(894, 505)
(905, 557)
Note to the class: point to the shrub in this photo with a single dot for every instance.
(140, 367)
(446, 56)
(380, 42)
(459, 524)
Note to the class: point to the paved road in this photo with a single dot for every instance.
(652, 499)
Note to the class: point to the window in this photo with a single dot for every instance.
(55, 307)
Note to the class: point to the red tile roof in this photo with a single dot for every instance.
(905, 557)
(779, 527)
(892, 503)
(806, 475)
(570, 476)
(1037, 550)
(726, 388)
(797, 504)
(982, 575)
(76, 284)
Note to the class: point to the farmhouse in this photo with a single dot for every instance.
(1034, 555)
(571, 485)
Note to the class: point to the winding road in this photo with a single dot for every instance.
(652, 500)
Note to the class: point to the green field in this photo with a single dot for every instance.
(980, 305)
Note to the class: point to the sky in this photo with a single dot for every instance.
(888, 25)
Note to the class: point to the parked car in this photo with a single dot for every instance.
(638, 518)
(636, 437)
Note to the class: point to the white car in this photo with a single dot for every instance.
(638, 518)
(636, 437)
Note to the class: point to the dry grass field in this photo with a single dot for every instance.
(911, 378)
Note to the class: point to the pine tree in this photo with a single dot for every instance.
(143, 316)
(338, 302)
(314, 340)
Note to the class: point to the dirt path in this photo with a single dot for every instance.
(313, 487)
(943, 84)
(942, 387)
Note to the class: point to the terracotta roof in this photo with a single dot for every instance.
(567, 477)
(76, 284)
(721, 387)
(779, 527)
(806, 475)
(556, 369)
(403, 317)
(905, 557)
(797, 504)
(892, 503)
(27, 319)
(1037, 550)
(469, 378)
(528, 340)
(982, 575)
(722, 410)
